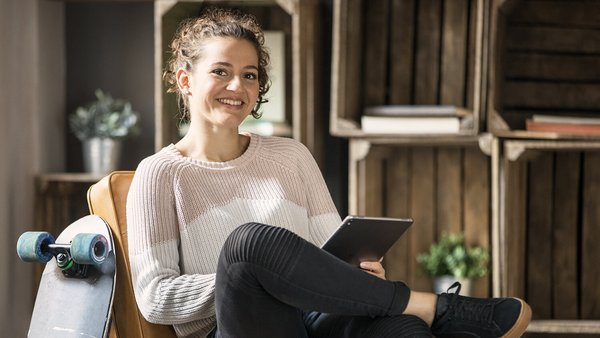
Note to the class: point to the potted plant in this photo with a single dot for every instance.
(100, 126)
(450, 260)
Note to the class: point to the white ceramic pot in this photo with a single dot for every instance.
(101, 155)
(442, 283)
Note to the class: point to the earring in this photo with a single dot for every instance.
(186, 91)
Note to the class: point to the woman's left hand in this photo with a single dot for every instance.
(374, 268)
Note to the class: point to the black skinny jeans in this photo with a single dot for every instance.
(273, 284)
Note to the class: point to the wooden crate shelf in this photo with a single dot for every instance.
(406, 53)
(544, 59)
(545, 230)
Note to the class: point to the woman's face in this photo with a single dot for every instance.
(224, 82)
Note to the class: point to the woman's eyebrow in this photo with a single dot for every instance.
(229, 65)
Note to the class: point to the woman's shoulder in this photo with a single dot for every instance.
(284, 146)
(162, 162)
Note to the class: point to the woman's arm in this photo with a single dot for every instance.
(163, 295)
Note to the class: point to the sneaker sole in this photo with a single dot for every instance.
(522, 321)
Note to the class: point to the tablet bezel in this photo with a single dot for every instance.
(364, 238)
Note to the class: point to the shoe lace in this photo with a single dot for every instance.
(465, 308)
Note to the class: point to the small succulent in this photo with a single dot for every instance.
(450, 256)
(105, 118)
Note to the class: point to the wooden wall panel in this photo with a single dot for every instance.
(353, 59)
(553, 39)
(557, 96)
(552, 67)
(449, 190)
(422, 196)
(427, 52)
(397, 260)
(402, 30)
(376, 47)
(476, 207)
(539, 236)
(371, 186)
(564, 267)
(454, 52)
(515, 219)
(590, 236)
(581, 13)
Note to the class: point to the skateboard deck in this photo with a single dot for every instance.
(76, 289)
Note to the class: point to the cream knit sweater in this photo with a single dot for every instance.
(181, 210)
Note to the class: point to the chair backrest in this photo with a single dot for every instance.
(107, 199)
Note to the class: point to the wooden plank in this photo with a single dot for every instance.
(422, 197)
(402, 30)
(564, 253)
(552, 39)
(370, 183)
(358, 149)
(346, 61)
(376, 52)
(397, 204)
(427, 52)
(476, 210)
(353, 57)
(554, 67)
(565, 326)
(539, 236)
(547, 95)
(473, 61)
(514, 227)
(557, 13)
(454, 52)
(590, 237)
(449, 190)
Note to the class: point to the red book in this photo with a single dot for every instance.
(564, 128)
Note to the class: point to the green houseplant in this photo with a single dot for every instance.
(450, 259)
(100, 126)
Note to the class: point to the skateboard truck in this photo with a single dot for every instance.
(69, 268)
(73, 258)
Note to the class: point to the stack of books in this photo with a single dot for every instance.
(564, 124)
(411, 119)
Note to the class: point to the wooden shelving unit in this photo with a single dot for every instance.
(413, 53)
(546, 187)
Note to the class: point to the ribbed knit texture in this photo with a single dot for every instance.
(180, 212)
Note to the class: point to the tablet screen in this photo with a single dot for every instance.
(362, 238)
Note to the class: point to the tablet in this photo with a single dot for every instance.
(362, 238)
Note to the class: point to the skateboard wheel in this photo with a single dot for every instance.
(89, 248)
(32, 246)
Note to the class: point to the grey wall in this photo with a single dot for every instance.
(111, 46)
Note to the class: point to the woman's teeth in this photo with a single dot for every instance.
(231, 102)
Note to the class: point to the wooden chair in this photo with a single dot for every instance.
(107, 199)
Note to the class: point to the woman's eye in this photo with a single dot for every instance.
(220, 72)
(251, 76)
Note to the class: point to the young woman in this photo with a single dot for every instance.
(225, 227)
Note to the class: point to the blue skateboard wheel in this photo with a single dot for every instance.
(89, 248)
(32, 246)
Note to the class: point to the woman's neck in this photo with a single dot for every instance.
(213, 145)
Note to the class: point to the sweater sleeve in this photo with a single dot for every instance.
(163, 295)
(324, 218)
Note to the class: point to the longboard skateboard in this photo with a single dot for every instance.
(76, 290)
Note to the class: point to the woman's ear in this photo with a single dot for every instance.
(183, 81)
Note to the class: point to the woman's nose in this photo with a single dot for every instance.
(234, 84)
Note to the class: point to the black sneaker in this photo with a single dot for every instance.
(460, 316)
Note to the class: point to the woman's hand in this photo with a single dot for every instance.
(374, 268)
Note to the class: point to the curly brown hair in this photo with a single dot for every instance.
(187, 45)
